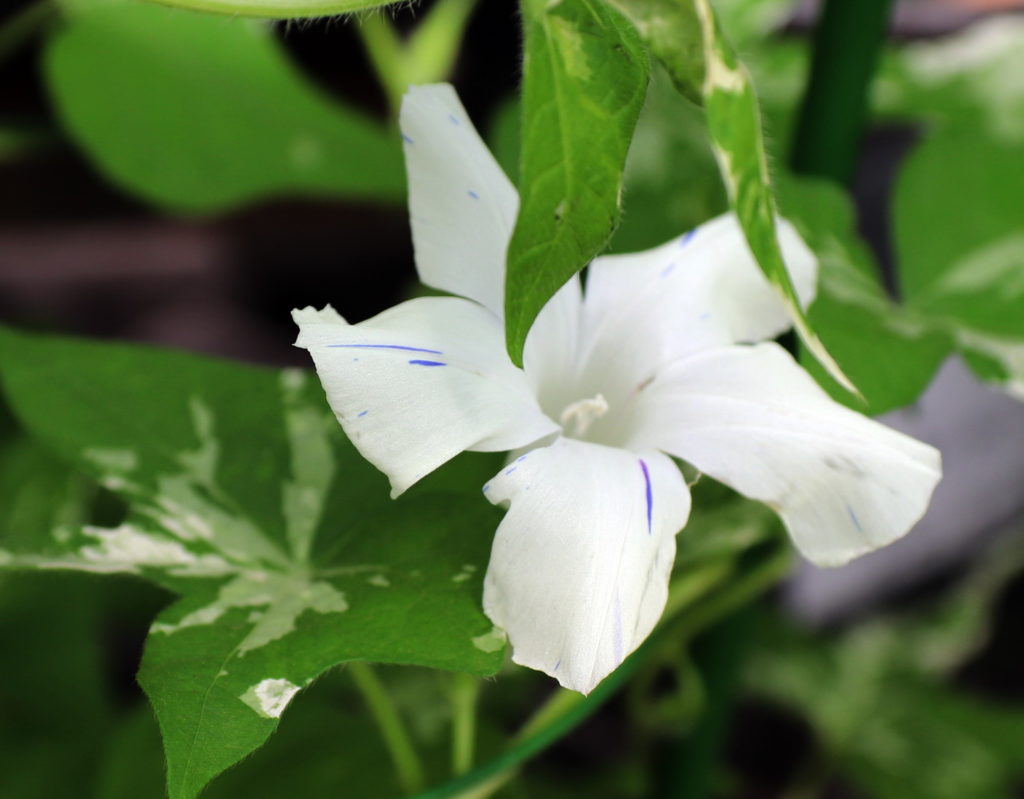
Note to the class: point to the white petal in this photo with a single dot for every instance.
(462, 206)
(580, 564)
(550, 358)
(753, 419)
(701, 290)
(421, 382)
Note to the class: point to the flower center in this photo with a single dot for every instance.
(577, 417)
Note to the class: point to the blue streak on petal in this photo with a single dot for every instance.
(521, 458)
(509, 471)
(453, 119)
(473, 194)
(687, 237)
(427, 363)
(386, 347)
(407, 140)
(362, 413)
(668, 269)
(650, 495)
(853, 518)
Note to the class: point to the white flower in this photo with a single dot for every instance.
(658, 359)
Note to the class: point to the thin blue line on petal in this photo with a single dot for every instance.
(687, 237)
(407, 140)
(387, 347)
(650, 495)
(853, 518)
(427, 363)
(453, 119)
(473, 194)
(362, 413)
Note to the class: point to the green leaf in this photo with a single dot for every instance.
(200, 114)
(734, 123)
(584, 79)
(891, 353)
(40, 496)
(52, 685)
(248, 501)
(875, 696)
(662, 201)
(960, 245)
(672, 31)
(959, 80)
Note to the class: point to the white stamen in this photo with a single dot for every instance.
(578, 416)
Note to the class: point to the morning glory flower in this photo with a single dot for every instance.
(666, 354)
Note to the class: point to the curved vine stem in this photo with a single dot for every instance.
(403, 754)
(712, 600)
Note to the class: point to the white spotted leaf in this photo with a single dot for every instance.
(734, 125)
(247, 501)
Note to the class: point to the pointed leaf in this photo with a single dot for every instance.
(960, 244)
(584, 79)
(734, 122)
(672, 31)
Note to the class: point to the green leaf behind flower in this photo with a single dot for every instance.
(199, 114)
(890, 352)
(247, 501)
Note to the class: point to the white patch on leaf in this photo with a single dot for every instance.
(1009, 353)
(201, 463)
(270, 697)
(312, 464)
(126, 549)
(379, 580)
(118, 461)
(492, 641)
(282, 597)
(468, 570)
(995, 265)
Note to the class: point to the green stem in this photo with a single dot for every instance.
(387, 56)
(720, 654)
(465, 691)
(847, 44)
(22, 26)
(434, 45)
(566, 709)
(382, 709)
(427, 57)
